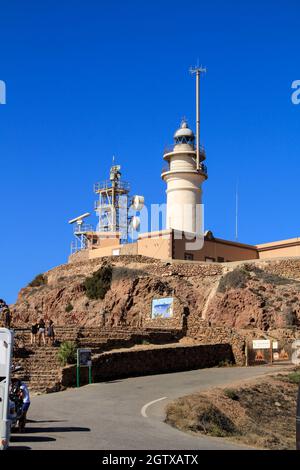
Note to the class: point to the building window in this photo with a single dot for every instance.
(188, 256)
(208, 259)
(221, 259)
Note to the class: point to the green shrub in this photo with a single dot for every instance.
(39, 280)
(212, 421)
(67, 353)
(99, 283)
(229, 393)
(236, 279)
(294, 377)
(69, 308)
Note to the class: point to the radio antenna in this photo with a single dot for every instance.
(236, 209)
(198, 70)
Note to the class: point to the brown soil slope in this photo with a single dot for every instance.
(264, 295)
(260, 413)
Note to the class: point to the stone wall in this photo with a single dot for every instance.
(286, 267)
(79, 256)
(206, 334)
(150, 360)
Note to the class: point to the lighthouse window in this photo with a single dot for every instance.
(188, 256)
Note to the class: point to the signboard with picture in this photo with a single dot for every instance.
(268, 351)
(162, 308)
(84, 357)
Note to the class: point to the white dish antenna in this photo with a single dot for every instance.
(138, 202)
(80, 218)
(135, 223)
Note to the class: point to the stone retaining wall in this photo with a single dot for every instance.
(203, 333)
(150, 360)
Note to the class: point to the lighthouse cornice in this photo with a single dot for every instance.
(171, 152)
(201, 172)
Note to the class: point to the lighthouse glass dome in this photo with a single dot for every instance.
(184, 135)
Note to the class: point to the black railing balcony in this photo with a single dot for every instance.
(202, 169)
(170, 148)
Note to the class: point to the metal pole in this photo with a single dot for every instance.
(197, 70)
(271, 351)
(78, 376)
(236, 212)
(198, 117)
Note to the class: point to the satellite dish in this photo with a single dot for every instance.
(80, 218)
(135, 223)
(138, 202)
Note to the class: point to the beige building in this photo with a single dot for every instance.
(183, 176)
(166, 245)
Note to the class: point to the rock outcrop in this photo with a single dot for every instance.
(262, 294)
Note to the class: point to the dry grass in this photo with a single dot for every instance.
(261, 413)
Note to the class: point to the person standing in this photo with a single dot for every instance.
(34, 331)
(7, 316)
(41, 331)
(50, 332)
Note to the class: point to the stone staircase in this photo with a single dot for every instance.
(41, 369)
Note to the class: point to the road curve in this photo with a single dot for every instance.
(125, 414)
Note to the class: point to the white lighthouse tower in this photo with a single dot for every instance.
(185, 174)
(184, 180)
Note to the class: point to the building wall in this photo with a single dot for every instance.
(215, 250)
(155, 245)
(283, 248)
(103, 251)
(164, 245)
(105, 242)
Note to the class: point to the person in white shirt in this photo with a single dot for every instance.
(23, 393)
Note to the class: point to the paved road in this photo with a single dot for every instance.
(117, 414)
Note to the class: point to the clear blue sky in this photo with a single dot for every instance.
(89, 79)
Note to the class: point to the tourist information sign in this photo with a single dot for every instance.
(84, 359)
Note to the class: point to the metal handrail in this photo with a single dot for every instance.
(108, 185)
(83, 228)
(202, 168)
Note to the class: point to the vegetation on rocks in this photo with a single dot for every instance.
(189, 414)
(39, 280)
(99, 283)
(236, 279)
(294, 377)
(67, 353)
(69, 308)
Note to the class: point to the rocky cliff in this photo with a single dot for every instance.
(258, 294)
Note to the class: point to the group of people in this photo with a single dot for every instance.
(43, 331)
(5, 314)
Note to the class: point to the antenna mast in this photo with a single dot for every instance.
(236, 210)
(198, 70)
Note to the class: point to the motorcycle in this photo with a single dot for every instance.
(18, 418)
(16, 415)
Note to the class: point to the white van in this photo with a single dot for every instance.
(6, 346)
